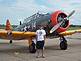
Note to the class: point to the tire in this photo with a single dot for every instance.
(63, 45)
(10, 41)
(32, 48)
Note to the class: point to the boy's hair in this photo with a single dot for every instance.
(40, 27)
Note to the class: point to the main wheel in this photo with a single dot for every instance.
(32, 48)
(63, 45)
(10, 41)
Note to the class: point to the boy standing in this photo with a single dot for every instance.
(40, 38)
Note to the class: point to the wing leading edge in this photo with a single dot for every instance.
(70, 32)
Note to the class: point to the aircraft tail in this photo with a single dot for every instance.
(8, 25)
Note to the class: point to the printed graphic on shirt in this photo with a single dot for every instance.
(40, 33)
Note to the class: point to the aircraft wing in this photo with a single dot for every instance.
(70, 32)
(16, 35)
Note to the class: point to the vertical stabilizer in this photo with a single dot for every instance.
(8, 25)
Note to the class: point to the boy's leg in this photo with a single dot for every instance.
(37, 53)
(42, 50)
(37, 43)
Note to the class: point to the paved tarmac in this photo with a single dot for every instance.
(18, 50)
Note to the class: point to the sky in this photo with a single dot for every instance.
(18, 10)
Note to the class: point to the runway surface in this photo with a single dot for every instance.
(18, 50)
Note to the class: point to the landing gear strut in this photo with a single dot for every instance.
(9, 35)
(63, 43)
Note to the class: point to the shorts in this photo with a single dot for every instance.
(40, 44)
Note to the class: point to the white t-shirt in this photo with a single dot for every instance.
(40, 34)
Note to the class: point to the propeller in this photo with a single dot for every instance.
(60, 23)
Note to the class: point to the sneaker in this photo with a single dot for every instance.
(37, 56)
(43, 56)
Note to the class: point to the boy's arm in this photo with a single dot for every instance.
(44, 38)
(44, 35)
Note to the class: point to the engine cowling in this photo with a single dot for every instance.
(55, 20)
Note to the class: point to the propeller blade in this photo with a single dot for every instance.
(56, 27)
(71, 14)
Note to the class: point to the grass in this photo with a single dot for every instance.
(72, 27)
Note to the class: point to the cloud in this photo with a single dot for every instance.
(20, 9)
(67, 6)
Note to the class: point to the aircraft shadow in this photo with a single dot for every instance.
(73, 38)
(11, 48)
